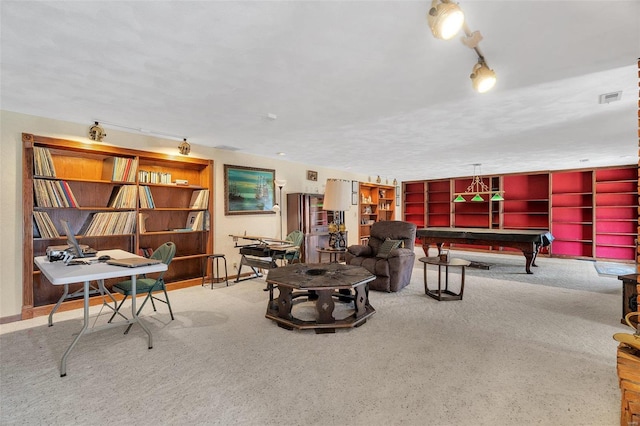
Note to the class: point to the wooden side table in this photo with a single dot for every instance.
(334, 254)
(629, 296)
(444, 293)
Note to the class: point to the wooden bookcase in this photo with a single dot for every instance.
(616, 207)
(572, 213)
(88, 171)
(439, 203)
(415, 198)
(592, 213)
(377, 203)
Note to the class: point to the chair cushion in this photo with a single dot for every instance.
(387, 246)
(143, 285)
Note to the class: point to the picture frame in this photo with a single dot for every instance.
(312, 175)
(248, 190)
(355, 190)
(355, 186)
(354, 198)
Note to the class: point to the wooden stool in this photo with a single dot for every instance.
(444, 294)
(216, 275)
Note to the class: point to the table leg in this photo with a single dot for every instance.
(361, 300)
(55, 308)
(324, 307)
(284, 302)
(85, 324)
(530, 259)
(134, 312)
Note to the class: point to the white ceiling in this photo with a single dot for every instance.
(355, 85)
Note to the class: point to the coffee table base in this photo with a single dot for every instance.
(279, 310)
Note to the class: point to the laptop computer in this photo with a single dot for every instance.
(133, 262)
(74, 248)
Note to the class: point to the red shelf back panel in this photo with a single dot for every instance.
(413, 197)
(617, 187)
(525, 221)
(617, 227)
(629, 200)
(572, 214)
(439, 186)
(571, 200)
(615, 240)
(572, 182)
(440, 208)
(526, 187)
(439, 197)
(571, 248)
(615, 253)
(469, 221)
(570, 231)
(612, 213)
(626, 173)
(414, 187)
(439, 221)
(522, 206)
(413, 209)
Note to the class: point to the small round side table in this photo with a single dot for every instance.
(444, 293)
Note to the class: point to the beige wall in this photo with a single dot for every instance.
(12, 126)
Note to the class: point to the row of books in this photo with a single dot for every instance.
(111, 223)
(146, 176)
(42, 162)
(146, 199)
(123, 197)
(121, 169)
(53, 193)
(199, 199)
(44, 227)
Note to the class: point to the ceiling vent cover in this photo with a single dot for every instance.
(610, 97)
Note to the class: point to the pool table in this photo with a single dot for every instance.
(527, 240)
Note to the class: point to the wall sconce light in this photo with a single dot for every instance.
(96, 133)
(445, 19)
(482, 77)
(184, 147)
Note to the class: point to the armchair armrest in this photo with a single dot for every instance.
(360, 251)
(401, 252)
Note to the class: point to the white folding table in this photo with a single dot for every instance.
(60, 274)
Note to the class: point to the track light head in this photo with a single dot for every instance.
(445, 19)
(482, 77)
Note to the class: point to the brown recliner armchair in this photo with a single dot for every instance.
(392, 268)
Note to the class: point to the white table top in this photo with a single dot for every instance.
(59, 274)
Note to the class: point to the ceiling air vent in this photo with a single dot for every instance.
(610, 97)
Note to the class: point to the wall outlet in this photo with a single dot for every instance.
(235, 265)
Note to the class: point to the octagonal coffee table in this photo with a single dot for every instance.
(324, 283)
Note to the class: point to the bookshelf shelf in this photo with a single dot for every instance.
(96, 174)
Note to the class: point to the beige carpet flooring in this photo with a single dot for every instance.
(518, 350)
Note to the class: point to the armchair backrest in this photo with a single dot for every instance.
(296, 237)
(394, 230)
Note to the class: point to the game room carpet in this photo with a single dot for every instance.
(517, 350)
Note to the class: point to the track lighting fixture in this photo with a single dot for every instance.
(445, 20)
(184, 147)
(482, 77)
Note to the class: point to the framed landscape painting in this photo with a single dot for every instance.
(248, 190)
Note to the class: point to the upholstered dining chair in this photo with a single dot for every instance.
(148, 286)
